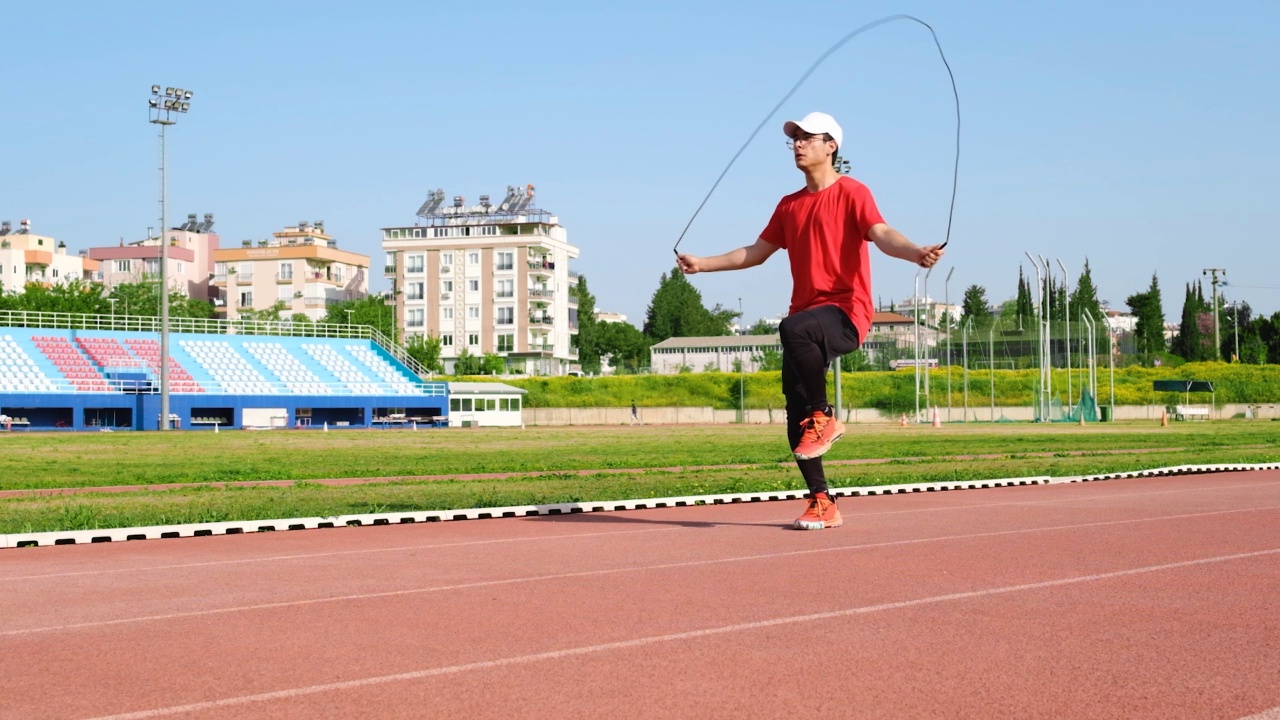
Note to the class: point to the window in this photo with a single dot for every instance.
(473, 258)
(446, 286)
(506, 316)
(220, 269)
(417, 233)
(506, 342)
(473, 313)
(506, 260)
(415, 317)
(55, 272)
(286, 271)
(124, 266)
(284, 293)
(473, 339)
(246, 298)
(460, 404)
(177, 266)
(413, 263)
(473, 286)
(413, 290)
(487, 230)
(446, 340)
(506, 288)
(446, 259)
(446, 313)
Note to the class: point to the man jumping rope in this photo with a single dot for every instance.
(825, 228)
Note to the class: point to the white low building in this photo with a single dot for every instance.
(483, 404)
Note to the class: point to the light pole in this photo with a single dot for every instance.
(1039, 322)
(915, 302)
(163, 109)
(946, 300)
(964, 334)
(113, 312)
(349, 312)
(742, 409)
(928, 402)
(1066, 284)
(1217, 341)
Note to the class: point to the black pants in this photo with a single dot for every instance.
(811, 340)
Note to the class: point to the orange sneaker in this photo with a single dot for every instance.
(822, 513)
(820, 430)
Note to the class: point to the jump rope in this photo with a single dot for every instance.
(955, 173)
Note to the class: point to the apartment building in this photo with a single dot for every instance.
(190, 259)
(26, 257)
(486, 278)
(299, 266)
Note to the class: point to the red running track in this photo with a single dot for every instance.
(1142, 598)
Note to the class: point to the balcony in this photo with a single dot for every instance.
(504, 295)
(389, 270)
(220, 279)
(284, 278)
(541, 267)
(446, 297)
(541, 293)
(244, 278)
(540, 320)
(317, 302)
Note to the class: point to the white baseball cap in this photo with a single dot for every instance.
(816, 123)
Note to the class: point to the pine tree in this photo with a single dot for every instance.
(975, 306)
(1148, 309)
(588, 327)
(1085, 297)
(676, 310)
(1026, 309)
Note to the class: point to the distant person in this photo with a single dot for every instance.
(635, 414)
(825, 228)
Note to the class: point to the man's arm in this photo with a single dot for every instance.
(743, 257)
(895, 244)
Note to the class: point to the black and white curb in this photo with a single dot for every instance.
(76, 537)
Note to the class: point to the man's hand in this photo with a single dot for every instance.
(689, 264)
(929, 255)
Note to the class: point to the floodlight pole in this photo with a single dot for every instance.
(991, 364)
(1048, 337)
(964, 334)
(162, 111)
(742, 369)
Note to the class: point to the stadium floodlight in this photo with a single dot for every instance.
(175, 100)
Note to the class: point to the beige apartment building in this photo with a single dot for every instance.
(190, 260)
(26, 257)
(299, 266)
(486, 278)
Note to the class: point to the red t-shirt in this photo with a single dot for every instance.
(825, 236)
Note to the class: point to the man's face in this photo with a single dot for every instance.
(811, 151)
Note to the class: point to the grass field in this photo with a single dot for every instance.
(429, 470)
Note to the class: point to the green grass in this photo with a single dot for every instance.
(196, 459)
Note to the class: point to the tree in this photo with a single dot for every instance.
(1024, 307)
(372, 311)
(975, 306)
(624, 346)
(1190, 343)
(466, 364)
(1085, 297)
(676, 310)
(762, 327)
(588, 327)
(492, 364)
(1149, 312)
(426, 350)
(856, 361)
(768, 359)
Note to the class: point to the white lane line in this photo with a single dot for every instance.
(303, 556)
(595, 573)
(671, 637)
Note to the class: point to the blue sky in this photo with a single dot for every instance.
(1141, 135)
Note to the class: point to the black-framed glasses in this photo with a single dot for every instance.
(805, 139)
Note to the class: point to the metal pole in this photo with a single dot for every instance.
(928, 403)
(1048, 337)
(916, 353)
(742, 368)
(946, 299)
(163, 108)
(1066, 284)
(1217, 341)
(964, 335)
(1039, 322)
(991, 363)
